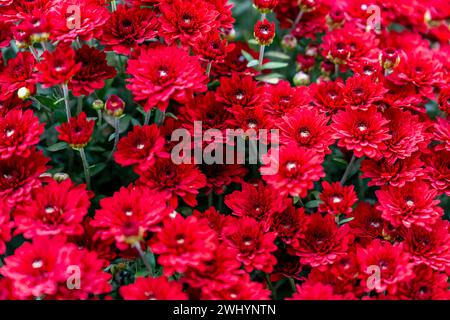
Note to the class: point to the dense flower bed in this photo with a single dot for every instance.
(346, 199)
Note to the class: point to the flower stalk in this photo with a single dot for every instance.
(85, 167)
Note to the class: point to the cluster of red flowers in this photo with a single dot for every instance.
(358, 208)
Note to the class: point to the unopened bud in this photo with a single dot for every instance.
(114, 106)
(23, 93)
(264, 32)
(60, 176)
(389, 58)
(98, 104)
(301, 79)
(289, 42)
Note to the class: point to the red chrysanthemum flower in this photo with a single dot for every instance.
(171, 180)
(252, 246)
(19, 131)
(367, 223)
(225, 19)
(328, 96)
(129, 27)
(6, 226)
(19, 176)
(187, 21)
(251, 121)
(129, 215)
(307, 129)
(264, 32)
(153, 289)
(240, 289)
(444, 99)
(18, 73)
(141, 147)
(296, 170)
(413, 204)
(216, 220)
(6, 34)
(240, 91)
(57, 208)
(184, 243)
(337, 199)
(392, 262)
(77, 132)
(265, 6)
(93, 72)
(288, 224)
(235, 62)
(219, 176)
(442, 134)
(438, 171)
(364, 132)
(318, 291)
(360, 93)
(430, 247)
(322, 242)
(164, 73)
(212, 48)
(57, 67)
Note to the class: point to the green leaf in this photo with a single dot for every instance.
(278, 55)
(272, 78)
(253, 42)
(247, 55)
(295, 200)
(49, 103)
(341, 161)
(341, 222)
(96, 168)
(57, 147)
(252, 63)
(313, 204)
(275, 65)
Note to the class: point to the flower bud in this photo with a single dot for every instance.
(307, 5)
(301, 79)
(114, 106)
(230, 34)
(305, 62)
(23, 93)
(389, 58)
(335, 18)
(98, 104)
(327, 67)
(265, 6)
(264, 32)
(60, 176)
(289, 42)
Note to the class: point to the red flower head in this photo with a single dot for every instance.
(256, 201)
(6, 34)
(77, 19)
(129, 27)
(298, 169)
(57, 67)
(251, 121)
(171, 180)
(391, 261)
(367, 223)
(235, 61)
(18, 176)
(219, 176)
(57, 208)
(252, 246)
(216, 220)
(141, 147)
(288, 224)
(337, 199)
(430, 247)
(444, 99)
(6, 226)
(18, 73)
(212, 48)
(396, 174)
(265, 6)
(442, 134)
(264, 32)
(163, 73)
(187, 20)
(361, 131)
(240, 91)
(19, 131)
(307, 129)
(323, 242)
(77, 132)
(318, 291)
(114, 106)
(153, 289)
(240, 289)
(360, 93)
(184, 243)
(438, 171)
(328, 96)
(225, 19)
(129, 215)
(413, 204)
(93, 72)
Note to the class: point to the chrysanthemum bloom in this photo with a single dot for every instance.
(212, 48)
(67, 26)
(430, 247)
(18, 176)
(250, 119)
(367, 223)
(328, 96)
(93, 72)
(381, 172)
(438, 171)
(253, 247)
(318, 291)
(389, 58)
(6, 34)
(360, 93)
(225, 18)
(307, 129)
(407, 135)
(129, 215)
(18, 73)
(361, 131)
(288, 224)
(256, 201)
(164, 73)
(264, 32)
(444, 99)
(413, 204)
(171, 180)
(442, 134)
(427, 284)
(337, 199)
(392, 261)
(265, 6)
(216, 220)
(127, 28)
(57, 208)
(183, 243)
(19, 132)
(57, 67)
(77, 132)
(114, 106)
(186, 21)
(219, 176)
(240, 91)
(153, 289)
(235, 62)
(282, 99)
(298, 169)
(240, 289)
(323, 242)
(34, 27)
(6, 225)
(141, 147)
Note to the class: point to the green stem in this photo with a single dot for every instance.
(292, 284)
(100, 117)
(208, 68)
(261, 57)
(65, 89)
(270, 286)
(85, 167)
(144, 259)
(147, 117)
(116, 136)
(210, 199)
(348, 170)
(79, 104)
